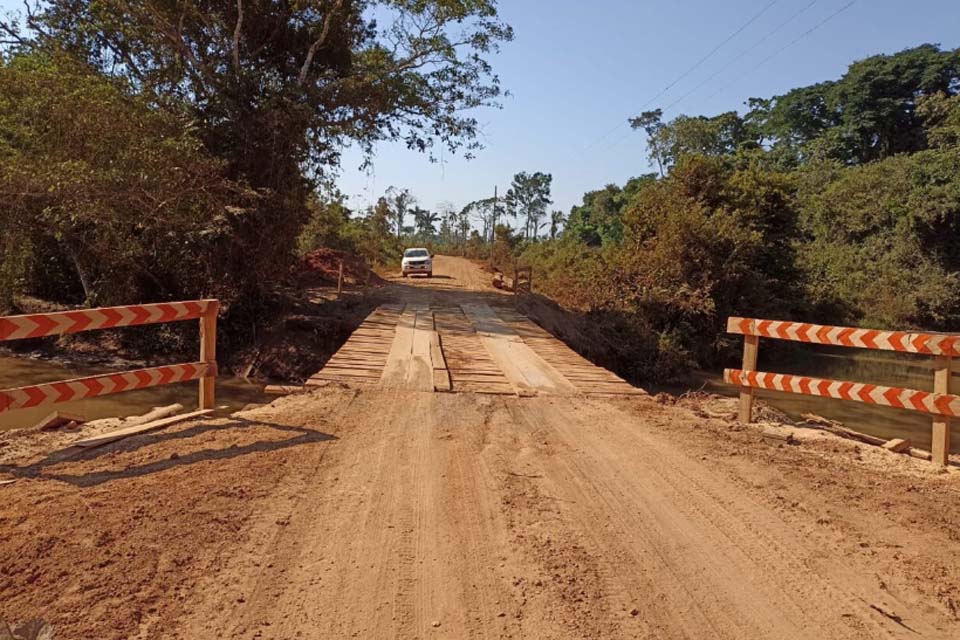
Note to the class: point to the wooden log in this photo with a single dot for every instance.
(778, 433)
(126, 432)
(897, 445)
(834, 427)
(281, 389)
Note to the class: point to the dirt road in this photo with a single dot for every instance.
(387, 513)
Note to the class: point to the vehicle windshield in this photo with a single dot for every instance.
(415, 253)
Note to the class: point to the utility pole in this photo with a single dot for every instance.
(493, 225)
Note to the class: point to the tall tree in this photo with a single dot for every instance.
(400, 201)
(528, 198)
(652, 124)
(556, 222)
(426, 223)
(277, 89)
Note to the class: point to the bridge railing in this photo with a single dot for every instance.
(522, 280)
(63, 322)
(941, 404)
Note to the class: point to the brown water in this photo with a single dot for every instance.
(232, 393)
(913, 372)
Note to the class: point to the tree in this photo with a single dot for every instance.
(277, 89)
(425, 222)
(123, 195)
(870, 113)
(556, 221)
(529, 197)
(482, 210)
(400, 201)
(377, 236)
(652, 123)
(715, 136)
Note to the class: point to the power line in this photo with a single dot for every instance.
(785, 47)
(685, 73)
(770, 57)
(741, 54)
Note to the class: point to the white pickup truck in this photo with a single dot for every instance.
(417, 260)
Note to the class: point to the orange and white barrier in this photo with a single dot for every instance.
(941, 404)
(82, 388)
(927, 343)
(62, 322)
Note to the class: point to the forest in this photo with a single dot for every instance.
(157, 151)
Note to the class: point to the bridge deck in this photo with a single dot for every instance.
(476, 347)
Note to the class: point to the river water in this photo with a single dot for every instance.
(877, 367)
(232, 393)
(914, 372)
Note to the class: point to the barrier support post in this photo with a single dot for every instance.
(751, 345)
(340, 279)
(940, 442)
(208, 354)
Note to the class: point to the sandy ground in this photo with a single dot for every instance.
(385, 514)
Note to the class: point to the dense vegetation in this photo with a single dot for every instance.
(155, 151)
(838, 203)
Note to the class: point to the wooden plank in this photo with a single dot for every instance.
(208, 354)
(897, 445)
(751, 345)
(281, 389)
(940, 442)
(929, 343)
(420, 369)
(398, 360)
(522, 367)
(58, 419)
(941, 404)
(38, 325)
(126, 432)
(93, 386)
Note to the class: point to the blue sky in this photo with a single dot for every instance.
(577, 70)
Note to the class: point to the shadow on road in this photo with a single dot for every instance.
(74, 455)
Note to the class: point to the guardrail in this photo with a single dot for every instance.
(941, 404)
(56, 324)
(522, 280)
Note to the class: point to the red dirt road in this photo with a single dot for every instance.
(381, 513)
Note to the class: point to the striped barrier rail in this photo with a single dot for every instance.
(941, 404)
(63, 322)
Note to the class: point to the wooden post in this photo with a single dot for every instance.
(940, 444)
(516, 280)
(340, 279)
(208, 353)
(751, 345)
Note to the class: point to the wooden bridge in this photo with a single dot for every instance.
(469, 347)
